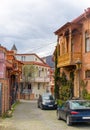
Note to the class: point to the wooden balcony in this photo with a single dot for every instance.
(68, 59)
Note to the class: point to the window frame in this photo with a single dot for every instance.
(87, 74)
(87, 41)
(38, 86)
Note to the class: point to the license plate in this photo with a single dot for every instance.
(85, 117)
(50, 105)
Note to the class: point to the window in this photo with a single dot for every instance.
(35, 59)
(15, 65)
(2, 55)
(87, 74)
(39, 73)
(80, 104)
(87, 42)
(38, 86)
(22, 58)
(42, 69)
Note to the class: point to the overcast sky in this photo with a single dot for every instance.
(30, 24)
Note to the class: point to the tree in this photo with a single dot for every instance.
(56, 78)
(28, 72)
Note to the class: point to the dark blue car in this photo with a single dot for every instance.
(46, 101)
(74, 111)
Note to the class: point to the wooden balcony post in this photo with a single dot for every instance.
(70, 31)
(78, 68)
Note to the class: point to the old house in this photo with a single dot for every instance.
(73, 51)
(10, 73)
(35, 76)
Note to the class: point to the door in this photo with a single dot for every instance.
(65, 110)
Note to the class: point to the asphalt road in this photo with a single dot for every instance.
(28, 117)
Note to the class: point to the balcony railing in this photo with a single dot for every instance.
(68, 59)
(39, 79)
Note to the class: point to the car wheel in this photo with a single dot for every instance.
(68, 120)
(38, 106)
(41, 106)
(58, 116)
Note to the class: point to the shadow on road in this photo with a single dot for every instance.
(83, 125)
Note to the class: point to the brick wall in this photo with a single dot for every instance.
(5, 95)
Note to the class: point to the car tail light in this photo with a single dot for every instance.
(74, 112)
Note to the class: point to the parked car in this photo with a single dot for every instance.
(74, 111)
(47, 101)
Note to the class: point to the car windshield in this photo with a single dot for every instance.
(49, 97)
(80, 104)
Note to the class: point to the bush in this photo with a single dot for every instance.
(60, 102)
(87, 97)
(65, 93)
(9, 113)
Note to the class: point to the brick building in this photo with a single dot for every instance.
(73, 51)
(10, 73)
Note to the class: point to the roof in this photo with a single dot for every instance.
(84, 15)
(14, 47)
(64, 26)
(75, 21)
(35, 63)
(28, 54)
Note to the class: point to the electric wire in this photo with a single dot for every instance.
(42, 46)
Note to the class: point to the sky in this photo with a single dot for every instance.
(30, 24)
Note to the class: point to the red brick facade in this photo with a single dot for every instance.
(73, 49)
(9, 79)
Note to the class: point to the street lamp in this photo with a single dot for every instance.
(78, 67)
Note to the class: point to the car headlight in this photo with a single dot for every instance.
(43, 102)
(55, 103)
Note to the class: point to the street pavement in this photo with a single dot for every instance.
(28, 117)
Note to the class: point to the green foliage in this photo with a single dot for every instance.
(84, 84)
(87, 97)
(65, 92)
(14, 105)
(56, 78)
(63, 88)
(63, 79)
(9, 113)
(66, 88)
(28, 71)
(84, 92)
(60, 102)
